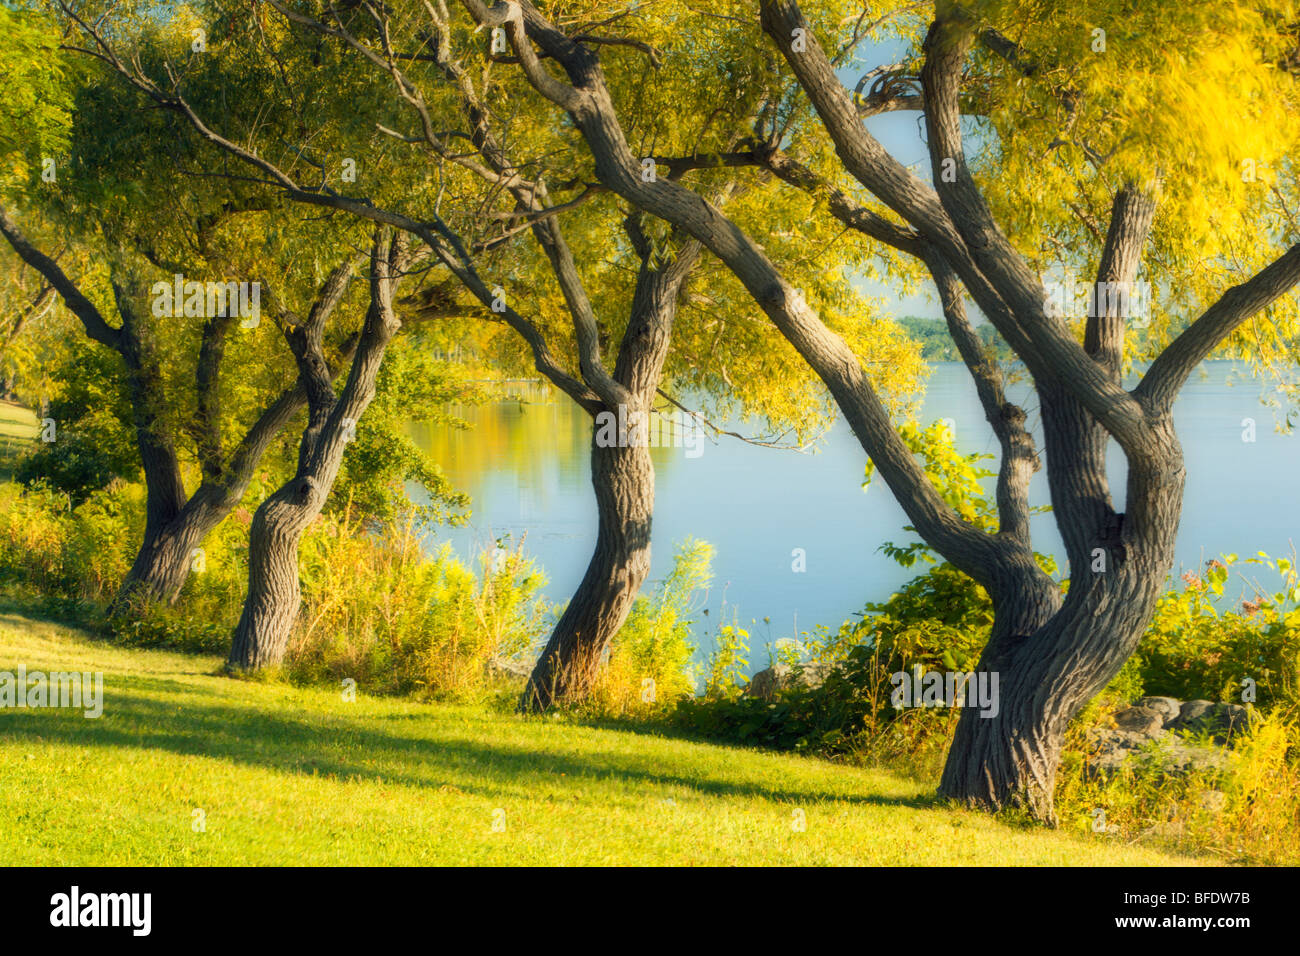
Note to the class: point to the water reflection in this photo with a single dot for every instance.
(525, 464)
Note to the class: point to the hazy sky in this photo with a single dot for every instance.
(903, 135)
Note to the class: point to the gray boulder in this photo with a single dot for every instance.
(1143, 721)
(1167, 707)
(1223, 720)
(1194, 710)
(508, 669)
(765, 684)
(1112, 748)
(1146, 728)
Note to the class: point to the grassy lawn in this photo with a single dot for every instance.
(17, 422)
(18, 426)
(298, 776)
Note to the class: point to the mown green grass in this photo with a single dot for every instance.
(18, 427)
(18, 422)
(291, 776)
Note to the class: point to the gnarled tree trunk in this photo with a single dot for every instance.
(1045, 679)
(166, 556)
(271, 607)
(621, 472)
(624, 481)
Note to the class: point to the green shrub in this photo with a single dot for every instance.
(1194, 648)
(66, 551)
(649, 662)
(378, 610)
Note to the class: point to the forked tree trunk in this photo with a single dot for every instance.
(271, 607)
(1011, 759)
(166, 558)
(1050, 661)
(1046, 678)
(624, 480)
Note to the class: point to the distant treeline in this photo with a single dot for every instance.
(937, 345)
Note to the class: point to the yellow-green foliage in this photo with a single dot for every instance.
(34, 111)
(81, 553)
(1195, 648)
(378, 610)
(649, 665)
(375, 607)
(1195, 101)
(724, 677)
(1246, 812)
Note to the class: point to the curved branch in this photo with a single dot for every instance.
(589, 101)
(1160, 385)
(91, 319)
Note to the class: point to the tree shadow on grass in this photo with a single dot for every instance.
(349, 749)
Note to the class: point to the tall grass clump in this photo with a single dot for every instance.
(379, 610)
(648, 666)
(375, 607)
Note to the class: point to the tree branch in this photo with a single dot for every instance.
(77, 304)
(589, 102)
(1160, 385)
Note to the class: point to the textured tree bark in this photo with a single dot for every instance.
(622, 473)
(1046, 678)
(624, 482)
(166, 557)
(175, 525)
(271, 607)
(162, 563)
(1053, 656)
(274, 594)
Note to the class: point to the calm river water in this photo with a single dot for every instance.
(526, 468)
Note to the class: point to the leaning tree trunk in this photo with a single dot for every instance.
(166, 557)
(172, 529)
(624, 480)
(1049, 672)
(262, 636)
(271, 607)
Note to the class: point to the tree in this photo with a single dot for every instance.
(622, 472)
(271, 606)
(1053, 652)
(505, 188)
(176, 522)
(189, 241)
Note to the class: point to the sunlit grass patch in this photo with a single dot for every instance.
(286, 775)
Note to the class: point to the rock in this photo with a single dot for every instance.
(1152, 719)
(510, 669)
(1179, 756)
(1222, 719)
(1232, 717)
(1167, 707)
(765, 684)
(1112, 747)
(1137, 728)
(1140, 720)
(1194, 710)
